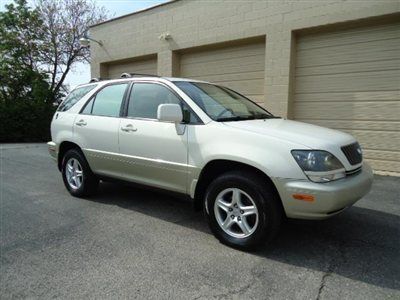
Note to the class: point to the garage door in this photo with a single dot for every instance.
(238, 67)
(148, 66)
(350, 80)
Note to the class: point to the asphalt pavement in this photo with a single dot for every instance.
(131, 243)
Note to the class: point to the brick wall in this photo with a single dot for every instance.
(193, 23)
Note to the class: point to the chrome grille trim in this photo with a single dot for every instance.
(354, 171)
(353, 153)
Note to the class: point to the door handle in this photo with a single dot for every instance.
(81, 123)
(128, 128)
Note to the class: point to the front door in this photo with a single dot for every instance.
(155, 152)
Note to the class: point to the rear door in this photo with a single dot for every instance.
(96, 128)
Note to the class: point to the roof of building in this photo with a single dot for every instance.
(134, 13)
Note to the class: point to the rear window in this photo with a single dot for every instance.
(76, 95)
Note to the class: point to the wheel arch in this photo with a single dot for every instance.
(62, 149)
(217, 167)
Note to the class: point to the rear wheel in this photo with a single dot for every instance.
(243, 211)
(77, 176)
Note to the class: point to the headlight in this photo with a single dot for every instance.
(318, 165)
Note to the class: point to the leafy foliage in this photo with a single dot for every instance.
(21, 44)
(25, 121)
(38, 48)
(64, 23)
(25, 102)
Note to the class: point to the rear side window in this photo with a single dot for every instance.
(87, 110)
(108, 101)
(76, 95)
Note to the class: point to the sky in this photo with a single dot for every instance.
(81, 72)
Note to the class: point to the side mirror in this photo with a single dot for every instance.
(170, 113)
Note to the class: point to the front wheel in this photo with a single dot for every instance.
(243, 211)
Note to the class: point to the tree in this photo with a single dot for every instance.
(21, 44)
(38, 48)
(64, 23)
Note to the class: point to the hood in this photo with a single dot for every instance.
(308, 135)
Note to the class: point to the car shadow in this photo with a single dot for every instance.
(361, 244)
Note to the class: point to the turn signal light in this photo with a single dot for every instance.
(303, 197)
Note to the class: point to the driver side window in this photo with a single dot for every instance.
(145, 99)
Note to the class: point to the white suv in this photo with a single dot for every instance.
(247, 168)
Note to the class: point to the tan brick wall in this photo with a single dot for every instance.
(167, 63)
(193, 23)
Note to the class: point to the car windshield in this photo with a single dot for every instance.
(222, 104)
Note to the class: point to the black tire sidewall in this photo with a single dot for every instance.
(88, 181)
(265, 201)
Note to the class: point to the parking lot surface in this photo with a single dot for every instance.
(127, 242)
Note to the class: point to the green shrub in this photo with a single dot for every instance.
(25, 121)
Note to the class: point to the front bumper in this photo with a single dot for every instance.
(329, 198)
(52, 147)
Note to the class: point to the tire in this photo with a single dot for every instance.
(253, 192)
(84, 185)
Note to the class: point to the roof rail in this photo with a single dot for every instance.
(128, 75)
(95, 79)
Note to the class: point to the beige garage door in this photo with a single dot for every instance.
(147, 66)
(350, 80)
(238, 67)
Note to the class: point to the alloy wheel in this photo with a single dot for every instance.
(236, 213)
(74, 173)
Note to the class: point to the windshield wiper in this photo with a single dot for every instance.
(265, 116)
(235, 118)
(244, 118)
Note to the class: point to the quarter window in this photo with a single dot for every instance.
(108, 100)
(74, 97)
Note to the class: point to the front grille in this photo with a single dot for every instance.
(353, 153)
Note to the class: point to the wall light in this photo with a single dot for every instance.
(85, 41)
(165, 36)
